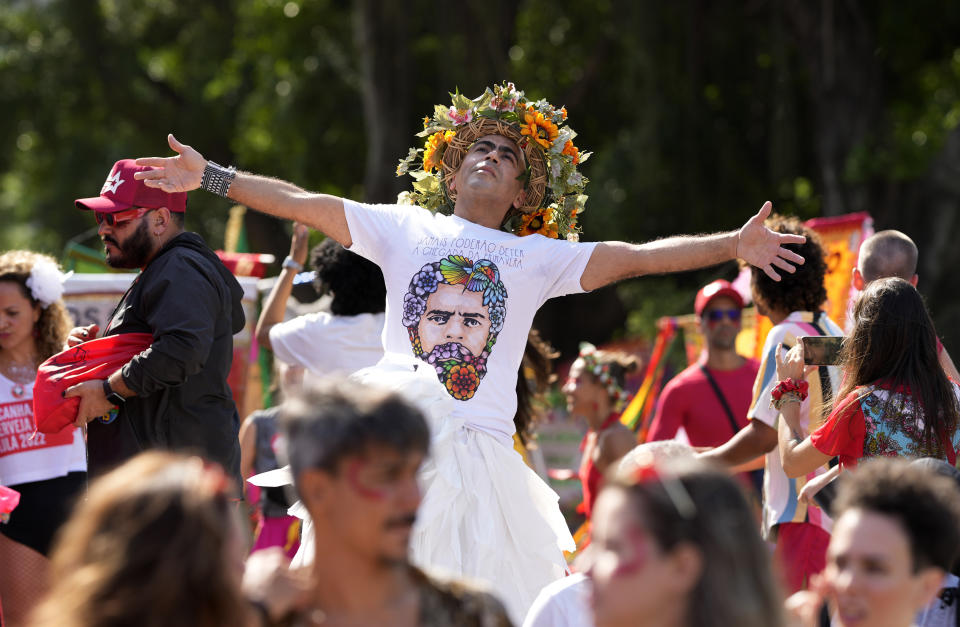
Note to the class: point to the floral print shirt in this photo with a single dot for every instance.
(875, 421)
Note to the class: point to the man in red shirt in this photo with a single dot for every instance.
(710, 399)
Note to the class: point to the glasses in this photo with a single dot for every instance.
(716, 315)
(113, 219)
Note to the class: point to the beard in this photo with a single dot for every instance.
(459, 370)
(135, 250)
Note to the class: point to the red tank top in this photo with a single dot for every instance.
(589, 475)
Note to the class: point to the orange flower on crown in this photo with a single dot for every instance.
(563, 112)
(542, 222)
(431, 149)
(570, 149)
(540, 129)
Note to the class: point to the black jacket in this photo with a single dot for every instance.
(191, 304)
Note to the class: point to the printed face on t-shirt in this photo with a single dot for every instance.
(453, 310)
(455, 315)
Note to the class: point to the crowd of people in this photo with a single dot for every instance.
(404, 500)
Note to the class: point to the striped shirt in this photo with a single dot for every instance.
(780, 503)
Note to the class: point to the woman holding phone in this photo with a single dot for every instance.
(895, 400)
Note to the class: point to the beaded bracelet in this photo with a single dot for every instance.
(217, 179)
(788, 391)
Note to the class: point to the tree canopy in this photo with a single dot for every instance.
(697, 112)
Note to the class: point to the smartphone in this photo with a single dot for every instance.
(821, 350)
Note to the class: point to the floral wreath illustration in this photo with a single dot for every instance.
(458, 369)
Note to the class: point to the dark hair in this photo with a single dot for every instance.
(357, 284)
(736, 586)
(336, 419)
(149, 545)
(533, 380)
(801, 291)
(893, 342)
(178, 218)
(925, 503)
(888, 254)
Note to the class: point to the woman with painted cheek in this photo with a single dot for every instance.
(594, 391)
(48, 470)
(676, 546)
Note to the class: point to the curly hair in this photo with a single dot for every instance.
(150, 545)
(925, 504)
(533, 380)
(804, 289)
(54, 322)
(357, 284)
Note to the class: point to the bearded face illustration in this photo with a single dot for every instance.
(454, 310)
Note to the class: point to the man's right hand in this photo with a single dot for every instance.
(79, 335)
(182, 173)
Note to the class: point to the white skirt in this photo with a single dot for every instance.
(485, 515)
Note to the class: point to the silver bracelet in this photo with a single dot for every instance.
(217, 179)
(292, 264)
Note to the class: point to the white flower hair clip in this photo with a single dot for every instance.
(46, 282)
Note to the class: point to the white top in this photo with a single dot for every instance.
(941, 612)
(563, 603)
(325, 344)
(26, 456)
(780, 504)
(462, 297)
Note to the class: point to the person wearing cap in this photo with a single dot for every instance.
(493, 237)
(709, 400)
(174, 395)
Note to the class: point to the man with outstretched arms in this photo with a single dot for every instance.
(487, 235)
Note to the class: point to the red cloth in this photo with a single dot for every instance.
(9, 499)
(801, 552)
(96, 359)
(689, 401)
(590, 477)
(843, 432)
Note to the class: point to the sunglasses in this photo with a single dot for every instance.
(716, 315)
(118, 217)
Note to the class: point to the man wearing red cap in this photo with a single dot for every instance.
(173, 395)
(710, 399)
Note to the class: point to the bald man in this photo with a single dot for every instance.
(893, 254)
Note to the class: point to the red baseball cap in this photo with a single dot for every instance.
(712, 290)
(121, 191)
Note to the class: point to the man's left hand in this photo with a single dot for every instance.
(763, 248)
(93, 402)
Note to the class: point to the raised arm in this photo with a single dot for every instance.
(275, 306)
(754, 243)
(279, 198)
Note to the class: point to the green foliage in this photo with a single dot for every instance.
(697, 112)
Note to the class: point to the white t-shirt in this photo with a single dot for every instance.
(26, 456)
(780, 504)
(563, 603)
(462, 297)
(325, 344)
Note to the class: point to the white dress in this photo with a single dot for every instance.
(485, 515)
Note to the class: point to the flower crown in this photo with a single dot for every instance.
(591, 363)
(554, 187)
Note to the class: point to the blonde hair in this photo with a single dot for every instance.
(54, 322)
(148, 547)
